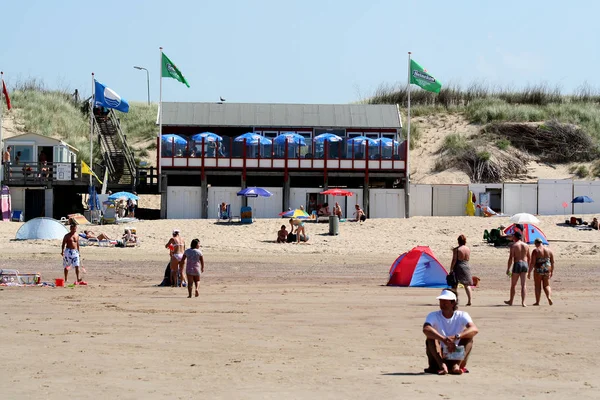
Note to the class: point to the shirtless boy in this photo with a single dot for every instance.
(70, 254)
(519, 260)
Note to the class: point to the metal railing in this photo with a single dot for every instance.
(40, 174)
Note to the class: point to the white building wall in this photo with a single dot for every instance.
(17, 198)
(386, 203)
(449, 200)
(49, 203)
(227, 194)
(183, 202)
(520, 198)
(590, 189)
(298, 197)
(552, 194)
(267, 207)
(421, 198)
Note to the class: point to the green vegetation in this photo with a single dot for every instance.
(582, 171)
(415, 134)
(54, 113)
(455, 144)
(503, 144)
(483, 104)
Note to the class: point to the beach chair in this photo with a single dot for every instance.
(17, 215)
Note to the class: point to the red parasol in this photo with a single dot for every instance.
(337, 192)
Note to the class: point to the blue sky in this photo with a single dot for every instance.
(310, 51)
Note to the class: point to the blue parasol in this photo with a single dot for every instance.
(328, 137)
(253, 139)
(121, 195)
(361, 141)
(172, 138)
(207, 136)
(254, 192)
(291, 138)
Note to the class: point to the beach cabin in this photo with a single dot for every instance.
(209, 151)
(43, 177)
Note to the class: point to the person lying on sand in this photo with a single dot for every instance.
(92, 235)
(449, 335)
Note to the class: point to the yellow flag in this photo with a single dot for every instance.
(85, 170)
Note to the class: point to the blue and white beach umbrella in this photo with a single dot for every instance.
(328, 137)
(386, 142)
(207, 136)
(172, 138)
(253, 139)
(291, 138)
(361, 141)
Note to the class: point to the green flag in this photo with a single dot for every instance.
(420, 77)
(169, 70)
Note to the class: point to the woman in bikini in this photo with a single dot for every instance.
(460, 266)
(299, 224)
(542, 265)
(177, 247)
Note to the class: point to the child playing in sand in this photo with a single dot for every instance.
(194, 267)
(282, 235)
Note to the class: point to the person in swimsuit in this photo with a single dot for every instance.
(177, 247)
(300, 230)
(337, 210)
(519, 260)
(542, 265)
(194, 266)
(460, 266)
(70, 252)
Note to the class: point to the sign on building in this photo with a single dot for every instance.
(63, 171)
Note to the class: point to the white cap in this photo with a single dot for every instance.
(446, 295)
(175, 231)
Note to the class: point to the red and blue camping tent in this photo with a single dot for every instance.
(418, 268)
(530, 233)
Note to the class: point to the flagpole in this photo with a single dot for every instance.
(160, 123)
(1, 137)
(407, 188)
(92, 104)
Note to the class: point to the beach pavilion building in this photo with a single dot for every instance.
(199, 172)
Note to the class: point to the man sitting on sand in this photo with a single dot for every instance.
(282, 235)
(519, 260)
(594, 224)
(360, 214)
(449, 335)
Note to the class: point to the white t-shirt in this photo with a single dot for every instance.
(448, 327)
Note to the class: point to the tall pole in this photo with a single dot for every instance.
(148, 84)
(93, 103)
(160, 122)
(407, 188)
(1, 137)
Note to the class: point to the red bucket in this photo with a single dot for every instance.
(59, 282)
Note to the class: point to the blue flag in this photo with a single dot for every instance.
(106, 97)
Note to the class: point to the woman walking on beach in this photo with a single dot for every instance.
(542, 265)
(194, 266)
(460, 266)
(177, 246)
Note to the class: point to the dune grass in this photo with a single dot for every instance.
(54, 113)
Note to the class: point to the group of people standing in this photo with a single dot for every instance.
(450, 332)
(521, 264)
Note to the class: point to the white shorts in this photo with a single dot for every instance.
(71, 258)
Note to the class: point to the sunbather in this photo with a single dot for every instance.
(91, 235)
(594, 224)
(129, 237)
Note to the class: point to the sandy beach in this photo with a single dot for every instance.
(292, 321)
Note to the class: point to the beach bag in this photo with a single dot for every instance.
(451, 279)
